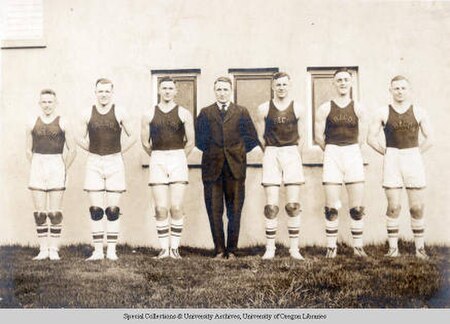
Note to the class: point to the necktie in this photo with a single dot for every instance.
(223, 111)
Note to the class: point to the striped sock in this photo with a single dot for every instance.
(357, 232)
(162, 227)
(294, 231)
(98, 234)
(418, 228)
(176, 227)
(392, 225)
(271, 232)
(331, 230)
(112, 234)
(42, 230)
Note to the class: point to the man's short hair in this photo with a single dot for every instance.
(223, 79)
(166, 79)
(278, 75)
(342, 69)
(104, 81)
(48, 91)
(399, 78)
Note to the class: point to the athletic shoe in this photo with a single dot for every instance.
(164, 253)
(269, 254)
(53, 254)
(174, 254)
(96, 255)
(392, 253)
(331, 253)
(422, 254)
(43, 254)
(359, 252)
(295, 254)
(111, 255)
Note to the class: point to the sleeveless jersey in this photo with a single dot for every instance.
(48, 138)
(401, 130)
(341, 127)
(104, 132)
(281, 127)
(167, 130)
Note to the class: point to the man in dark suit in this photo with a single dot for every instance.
(224, 133)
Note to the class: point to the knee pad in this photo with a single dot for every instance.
(331, 214)
(40, 218)
(176, 212)
(96, 213)
(292, 209)
(416, 212)
(393, 211)
(112, 213)
(357, 213)
(55, 217)
(271, 211)
(160, 213)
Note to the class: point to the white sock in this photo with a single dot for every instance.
(392, 225)
(162, 227)
(112, 234)
(418, 228)
(176, 227)
(98, 234)
(331, 230)
(357, 232)
(294, 231)
(271, 232)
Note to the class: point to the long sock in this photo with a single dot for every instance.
(162, 227)
(418, 228)
(176, 227)
(392, 225)
(55, 229)
(331, 230)
(271, 232)
(112, 234)
(294, 230)
(42, 232)
(357, 232)
(98, 234)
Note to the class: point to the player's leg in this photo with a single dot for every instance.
(55, 216)
(293, 210)
(161, 201)
(416, 208)
(40, 218)
(177, 191)
(393, 196)
(332, 206)
(271, 210)
(355, 193)
(97, 212)
(112, 213)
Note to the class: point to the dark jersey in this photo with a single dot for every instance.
(167, 130)
(104, 132)
(47, 138)
(401, 130)
(342, 125)
(281, 126)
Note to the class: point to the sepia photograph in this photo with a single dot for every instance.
(225, 160)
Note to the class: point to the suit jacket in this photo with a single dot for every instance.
(228, 140)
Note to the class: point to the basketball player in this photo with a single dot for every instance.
(51, 150)
(167, 135)
(340, 131)
(403, 166)
(280, 129)
(102, 127)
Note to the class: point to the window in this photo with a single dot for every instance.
(23, 24)
(321, 90)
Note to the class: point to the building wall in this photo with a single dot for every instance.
(124, 40)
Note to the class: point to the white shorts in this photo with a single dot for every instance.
(168, 167)
(403, 168)
(282, 164)
(342, 164)
(105, 173)
(48, 172)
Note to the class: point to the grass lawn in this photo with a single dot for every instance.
(197, 281)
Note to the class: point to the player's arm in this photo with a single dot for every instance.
(375, 127)
(298, 109)
(128, 141)
(189, 131)
(145, 134)
(319, 124)
(82, 134)
(29, 141)
(261, 123)
(427, 132)
(363, 124)
(70, 150)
